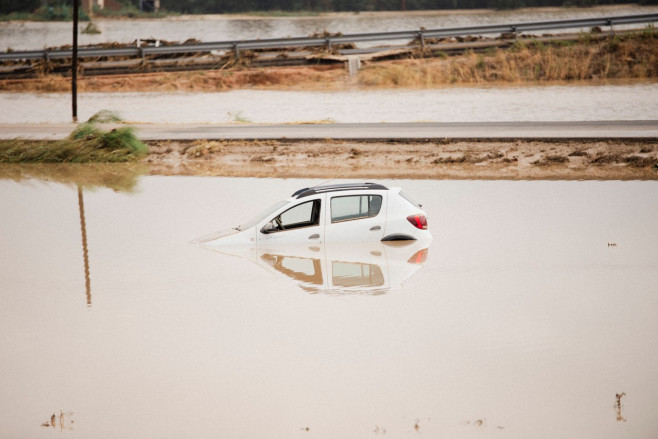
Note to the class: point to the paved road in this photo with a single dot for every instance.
(465, 130)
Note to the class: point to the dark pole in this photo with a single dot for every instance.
(74, 63)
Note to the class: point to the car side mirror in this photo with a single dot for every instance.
(269, 227)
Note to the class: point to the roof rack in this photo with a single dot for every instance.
(305, 192)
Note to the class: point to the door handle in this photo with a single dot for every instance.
(374, 228)
(314, 236)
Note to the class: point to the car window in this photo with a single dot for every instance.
(301, 269)
(355, 207)
(350, 274)
(409, 199)
(302, 215)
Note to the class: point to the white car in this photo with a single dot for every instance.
(354, 212)
(339, 268)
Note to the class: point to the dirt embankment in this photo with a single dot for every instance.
(569, 159)
(627, 56)
(607, 159)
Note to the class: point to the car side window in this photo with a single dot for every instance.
(350, 274)
(302, 269)
(302, 215)
(355, 207)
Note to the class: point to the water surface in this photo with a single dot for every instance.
(37, 35)
(534, 308)
(637, 101)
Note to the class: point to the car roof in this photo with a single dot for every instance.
(305, 192)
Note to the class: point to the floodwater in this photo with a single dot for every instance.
(37, 35)
(530, 314)
(636, 101)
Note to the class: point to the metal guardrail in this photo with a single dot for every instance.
(275, 43)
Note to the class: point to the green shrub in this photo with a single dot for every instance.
(87, 143)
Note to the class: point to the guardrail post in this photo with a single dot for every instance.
(612, 29)
(236, 50)
(328, 43)
(514, 31)
(421, 40)
(46, 63)
(353, 65)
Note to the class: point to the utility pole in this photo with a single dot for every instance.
(74, 63)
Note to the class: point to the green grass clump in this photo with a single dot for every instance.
(86, 144)
(104, 116)
(91, 29)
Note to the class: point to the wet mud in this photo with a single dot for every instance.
(478, 159)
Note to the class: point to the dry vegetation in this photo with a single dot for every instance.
(627, 56)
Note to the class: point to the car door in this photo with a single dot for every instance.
(303, 222)
(355, 217)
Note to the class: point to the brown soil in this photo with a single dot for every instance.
(312, 78)
(562, 159)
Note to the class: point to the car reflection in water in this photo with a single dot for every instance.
(341, 268)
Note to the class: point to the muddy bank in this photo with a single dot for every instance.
(333, 77)
(568, 159)
(526, 61)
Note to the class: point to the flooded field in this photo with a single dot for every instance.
(530, 314)
(623, 101)
(35, 35)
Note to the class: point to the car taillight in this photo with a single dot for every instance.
(418, 221)
(419, 257)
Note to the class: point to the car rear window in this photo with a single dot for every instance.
(409, 199)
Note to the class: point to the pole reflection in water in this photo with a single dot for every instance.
(119, 177)
(340, 268)
(85, 251)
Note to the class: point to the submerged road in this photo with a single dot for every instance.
(361, 131)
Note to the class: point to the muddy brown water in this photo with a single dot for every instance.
(557, 102)
(36, 35)
(533, 315)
